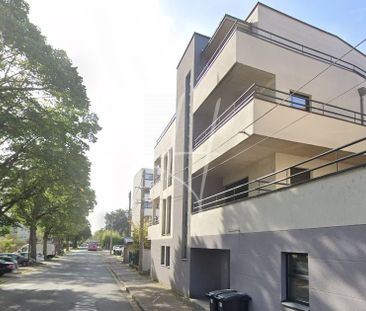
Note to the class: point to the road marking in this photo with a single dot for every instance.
(85, 305)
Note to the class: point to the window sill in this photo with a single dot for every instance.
(295, 306)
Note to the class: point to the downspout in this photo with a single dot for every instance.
(362, 92)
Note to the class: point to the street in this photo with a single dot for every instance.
(77, 281)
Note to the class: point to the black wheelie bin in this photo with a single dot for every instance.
(233, 301)
(213, 300)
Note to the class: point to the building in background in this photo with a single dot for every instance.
(267, 188)
(142, 183)
(20, 233)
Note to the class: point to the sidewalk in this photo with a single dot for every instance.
(149, 295)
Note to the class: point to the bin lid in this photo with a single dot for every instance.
(233, 296)
(220, 291)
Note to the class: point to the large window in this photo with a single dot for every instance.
(300, 101)
(297, 276)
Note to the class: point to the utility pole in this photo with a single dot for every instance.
(362, 92)
(142, 238)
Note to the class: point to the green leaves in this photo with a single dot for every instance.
(45, 128)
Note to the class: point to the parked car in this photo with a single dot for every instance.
(40, 257)
(5, 267)
(51, 249)
(10, 260)
(117, 249)
(21, 260)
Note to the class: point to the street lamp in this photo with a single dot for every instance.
(362, 92)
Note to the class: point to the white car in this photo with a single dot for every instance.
(117, 249)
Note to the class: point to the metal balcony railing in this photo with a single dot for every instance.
(282, 42)
(280, 98)
(272, 181)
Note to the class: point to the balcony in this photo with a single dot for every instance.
(279, 98)
(259, 50)
(264, 111)
(327, 163)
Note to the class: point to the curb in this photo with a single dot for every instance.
(125, 288)
(142, 307)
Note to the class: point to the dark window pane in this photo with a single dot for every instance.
(167, 261)
(298, 290)
(238, 193)
(301, 177)
(297, 278)
(162, 255)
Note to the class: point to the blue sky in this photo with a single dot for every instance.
(127, 53)
(347, 19)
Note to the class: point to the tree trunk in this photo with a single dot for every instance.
(75, 243)
(45, 242)
(33, 241)
(67, 243)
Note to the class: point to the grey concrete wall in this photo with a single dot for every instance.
(210, 270)
(337, 265)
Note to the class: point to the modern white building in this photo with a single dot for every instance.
(264, 168)
(142, 183)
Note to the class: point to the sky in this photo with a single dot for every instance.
(127, 53)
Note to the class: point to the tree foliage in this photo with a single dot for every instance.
(103, 237)
(46, 127)
(118, 221)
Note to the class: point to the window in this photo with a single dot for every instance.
(163, 217)
(165, 171)
(238, 193)
(300, 101)
(162, 255)
(147, 204)
(167, 256)
(304, 175)
(170, 172)
(148, 176)
(157, 170)
(168, 215)
(297, 278)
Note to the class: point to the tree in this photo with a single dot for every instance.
(117, 220)
(45, 123)
(103, 237)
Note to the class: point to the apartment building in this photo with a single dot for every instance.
(268, 167)
(142, 183)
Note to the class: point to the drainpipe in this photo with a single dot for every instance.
(362, 92)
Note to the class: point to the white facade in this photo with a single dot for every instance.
(249, 187)
(142, 184)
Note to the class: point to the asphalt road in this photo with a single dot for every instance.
(79, 281)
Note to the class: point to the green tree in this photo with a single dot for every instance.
(45, 123)
(117, 220)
